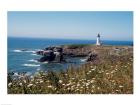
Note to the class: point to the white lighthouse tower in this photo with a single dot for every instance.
(98, 42)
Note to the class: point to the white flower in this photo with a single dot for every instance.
(78, 84)
(41, 81)
(92, 91)
(81, 87)
(120, 86)
(24, 81)
(92, 81)
(107, 73)
(77, 89)
(20, 84)
(91, 66)
(112, 72)
(90, 71)
(68, 88)
(98, 88)
(73, 78)
(29, 85)
(87, 84)
(68, 84)
(93, 86)
(87, 73)
(60, 81)
(10, 84)
(50, 86)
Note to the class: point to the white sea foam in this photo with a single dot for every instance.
(45, 62)
(22, 50)
(83, 60)
(30, 51)
(33, 60)
(17, 50)
(31, 65)
(34, 54)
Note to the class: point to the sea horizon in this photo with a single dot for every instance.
(94, 39)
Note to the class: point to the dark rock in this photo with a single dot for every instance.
(91, 57)
(51, 54)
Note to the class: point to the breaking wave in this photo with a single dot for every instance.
(83, 60)
(31, 65)
(17, 51)
(33, 60)
(24, 50)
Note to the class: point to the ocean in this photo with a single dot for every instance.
(25, 61)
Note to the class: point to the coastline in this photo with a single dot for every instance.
(110, 72)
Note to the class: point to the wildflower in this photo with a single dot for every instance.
(68, 88)
(92, 81)
(60, 81)
(24, 81)
(93, 69)
(77, 89)
(87, 84)
(99, 72)
(50, 86)
(73, 78)
(112, 72)
(90, 71)
(81, 87)
(66, 74)
(47, 81)
(92, 91)
(29, 85)
(78, 84)
(91, 66)
(68, 84)
(106, 73)
(10, 84)
(41, 81)
(93, 86)
(98, 88)
(87, 73)
(20, 84)
(120, 86)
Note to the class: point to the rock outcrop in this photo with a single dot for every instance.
(51, 54)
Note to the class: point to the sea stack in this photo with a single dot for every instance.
(98, 42)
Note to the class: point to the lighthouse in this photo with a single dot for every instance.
(98, 42)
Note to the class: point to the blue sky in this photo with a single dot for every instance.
(71, 25)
